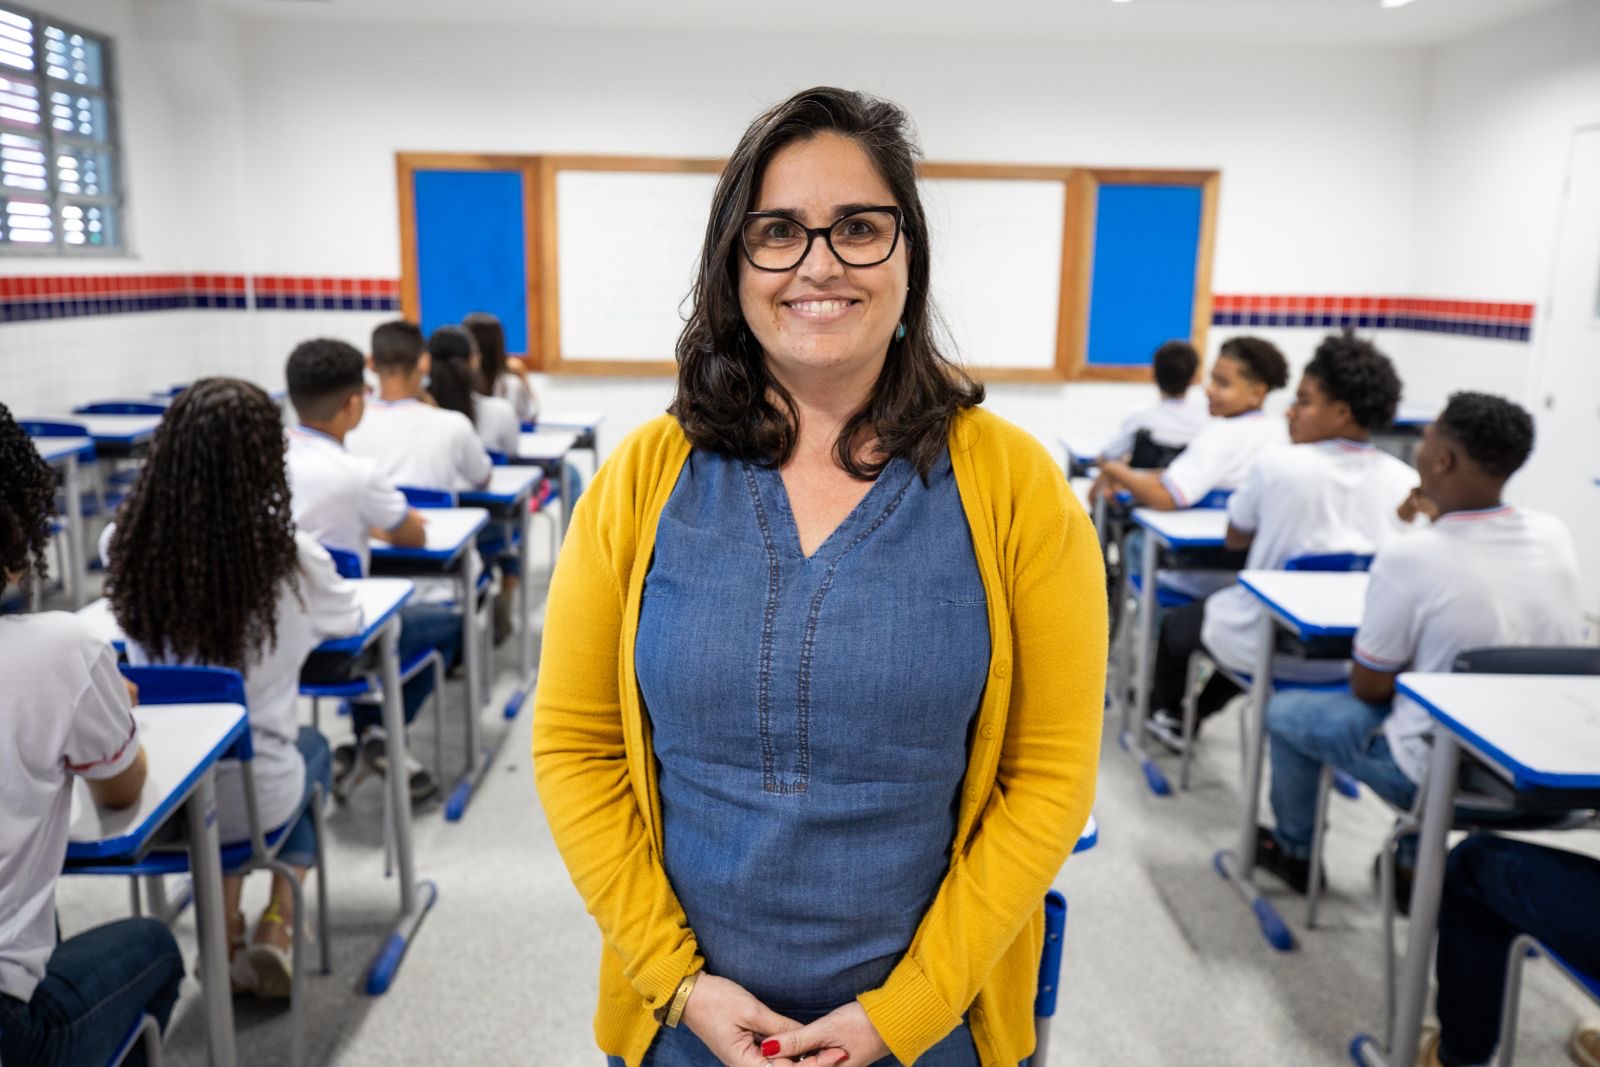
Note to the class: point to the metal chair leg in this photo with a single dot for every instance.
(1318, 834)
(1521, 948)
(324, 950)
(1191, 718)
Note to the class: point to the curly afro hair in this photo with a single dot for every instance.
(1354, 371)
(1495, 433)
(27, 502)
(1260, 359)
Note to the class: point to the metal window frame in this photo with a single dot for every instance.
(116, 199)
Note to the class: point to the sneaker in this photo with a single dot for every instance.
(1585, 1045)
(1168, 729)
(375, 754)
(1428, 1048)
(419, 780)
(1271, 857)
(272, 964)
(345, 762)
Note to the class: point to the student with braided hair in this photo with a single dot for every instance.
(65, 713)
(204, 566)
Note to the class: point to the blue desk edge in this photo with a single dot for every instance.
(1522, 776)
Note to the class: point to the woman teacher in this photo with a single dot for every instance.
(820, 698)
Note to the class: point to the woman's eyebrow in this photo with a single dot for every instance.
(839, 210)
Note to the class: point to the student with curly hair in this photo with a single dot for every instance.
(1484, 573)
(204, 566)
(65, 713)
(1330, 491)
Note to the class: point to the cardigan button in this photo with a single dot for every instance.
(987, 730)
(1001, 668)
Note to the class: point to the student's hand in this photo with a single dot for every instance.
(731, 1022)
(1100, 488)
(133, 692)
(843, 1035)
(1416, 504)
(517, 365)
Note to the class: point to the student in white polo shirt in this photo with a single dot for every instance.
(1484, 573)
(1331, 491)
(341, 499)
(1177, 419)
(413, 441)
(1245, 371)
(65, 713)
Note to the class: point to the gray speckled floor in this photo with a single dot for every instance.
(1164, 965)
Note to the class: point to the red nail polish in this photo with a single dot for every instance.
(770, 1047)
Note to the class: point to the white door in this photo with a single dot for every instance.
(1563, 475)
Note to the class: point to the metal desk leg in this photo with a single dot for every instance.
(77, 554)
(566, 496)
(1132, 738)
(415, 898)
(471, 656)
(1238, 866)
(205, 861)
(524, 614)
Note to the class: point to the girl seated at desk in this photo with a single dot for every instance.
(204, 567)
(65, 713)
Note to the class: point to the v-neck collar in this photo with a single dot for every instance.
(884, 492)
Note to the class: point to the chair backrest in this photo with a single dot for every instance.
(166, 684)
(1217, 498)
(52, 428)
(1330, 561)
(499, 459)
(1149, 454)
(120, 407)
(347, 563)
(1529, 659)
(428, 498)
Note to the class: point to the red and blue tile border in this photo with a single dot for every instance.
(1470, 318)
(30, 298)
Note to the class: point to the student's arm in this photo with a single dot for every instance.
(1245, 507)
(1391, 625)
(1145, 485)
(388, 516)
(1375, 687)
(472, 461)
(1237, 540)
(410, 533)
(122, 790)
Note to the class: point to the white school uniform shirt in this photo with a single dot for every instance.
(1501, 576)
(1221, 454)
(497, 424)
(419, 445)
(326, 606)
(1174, 423)
(64, 713)
(1331, 496)
(337, 497)
(510, 387)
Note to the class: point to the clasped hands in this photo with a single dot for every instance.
(743, 1032)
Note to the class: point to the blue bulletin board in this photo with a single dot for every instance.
(1143, 283)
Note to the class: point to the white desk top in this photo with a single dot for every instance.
(129, 428)
(57, 449)
(446, 532)
(1541, 729)
(545, 445)
(380, 598)
(1192, 528)
(1316, 603)
(506, 485)
(1081, 447)
(570, 419)
(180, 742)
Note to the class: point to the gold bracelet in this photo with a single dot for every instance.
(671, 1015)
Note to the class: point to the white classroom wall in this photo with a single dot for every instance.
(267, 147)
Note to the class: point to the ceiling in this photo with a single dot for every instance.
(1350, 22)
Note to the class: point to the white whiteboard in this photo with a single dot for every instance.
(628, 242)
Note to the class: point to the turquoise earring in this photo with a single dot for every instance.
(900, 332)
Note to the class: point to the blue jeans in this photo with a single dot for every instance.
(1494, 889)
(681, 1048)
(421, 626)
(96, 986)
(300, 842)
(1308, 729)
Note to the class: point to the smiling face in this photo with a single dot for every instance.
(822, 319)
(1231, 391)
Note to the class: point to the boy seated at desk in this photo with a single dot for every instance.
(1330, 491)
(1245, 371)
(65, 713)
(413, 441)
(341, 499)
(1484, 573)
(1171, 424)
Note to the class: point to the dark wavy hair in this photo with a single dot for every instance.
(1496, 433)
(451, 380)
(727, 400)
(205, 542)
(490, 338)
(1354, 371)
(1175, 363)
(27, 503)
(1260, 359)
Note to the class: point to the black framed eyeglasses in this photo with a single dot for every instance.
(777, 242)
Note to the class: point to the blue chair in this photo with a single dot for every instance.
(1523, 948)
(1325, 561)
(207, 685)
(108, 489)
(120, 407)
(1055, 930)
(144, 1032)
(427, 498)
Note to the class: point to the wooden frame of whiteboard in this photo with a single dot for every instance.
(406, 165)
(1081, 225)
(548, 242)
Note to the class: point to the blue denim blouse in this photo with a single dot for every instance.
(810, 717)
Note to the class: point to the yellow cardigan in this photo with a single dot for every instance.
(1030, 771)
